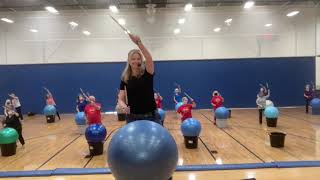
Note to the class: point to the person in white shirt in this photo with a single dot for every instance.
(16, 104)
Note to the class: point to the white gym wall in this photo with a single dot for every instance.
(57, 42)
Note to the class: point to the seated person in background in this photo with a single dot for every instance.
(158, 98)
(81, 103)
(93, 111)
(185, 109)
(261, 102)
(177, 95)
(216, 102)
(308, 96)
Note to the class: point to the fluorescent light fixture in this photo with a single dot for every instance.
(181, 20)
(188, 7)
(113, 9)
(86, 33)
(228, 21)
(51, 9)
(248, 4)
(122, 21)
(268, 25)
(217, 29)
(34, 30)
(293, 13)
(7, 20)
(74, 24)
(176, 31)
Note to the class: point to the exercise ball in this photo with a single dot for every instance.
(80, 118)
(8, 136)
(191, 127)
(222, 113)
(271, 112)
(96, 133)
(142, 150)
(49, 110)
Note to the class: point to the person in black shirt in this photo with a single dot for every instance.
(12, 121)
(136, 95)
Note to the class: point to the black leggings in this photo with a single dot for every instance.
(307, 105)
(260, 115)
(19, 130)
(21, 139)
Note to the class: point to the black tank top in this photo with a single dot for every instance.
(140, 93)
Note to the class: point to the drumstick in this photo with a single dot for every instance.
(126, 95)
(81, 91)
(188, 96)
(122, 27)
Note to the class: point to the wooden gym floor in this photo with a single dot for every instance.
(59, 145)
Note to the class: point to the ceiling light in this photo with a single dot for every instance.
(7, 20)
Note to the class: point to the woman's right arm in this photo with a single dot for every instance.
(122, 101)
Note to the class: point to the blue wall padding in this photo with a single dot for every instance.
(80, 171)
(225, 166)
(37, 173)
(208, 167)
(293, 164)
(237, 80)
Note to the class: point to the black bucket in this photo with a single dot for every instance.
(95, 148)
(277, 139)
(50, 119)
(191, 142)
(272, 122)
(8, 149)
(121, 117)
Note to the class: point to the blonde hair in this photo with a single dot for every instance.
(127, 72)
(92, 98)
(184, 98)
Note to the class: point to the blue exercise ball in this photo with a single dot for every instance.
(49, 110)
(222, 113)
(142, 150)
(178, 105)
(80, 118)
(162, 114)
(271, 112)
(315, 103)
(191, 127)
(96, 133)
